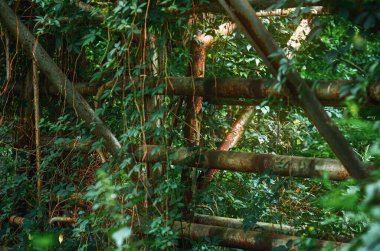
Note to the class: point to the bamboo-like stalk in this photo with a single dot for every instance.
(7, 57)
(36, 102)
(244, 15)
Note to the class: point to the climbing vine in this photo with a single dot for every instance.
(123, 57)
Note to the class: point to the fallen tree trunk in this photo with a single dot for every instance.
(244, 15)
(258, 226)
(238, 224)
(236, 238)
(283, 165)
(57, 77)
(328, 92)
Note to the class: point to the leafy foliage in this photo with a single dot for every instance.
(120, 203)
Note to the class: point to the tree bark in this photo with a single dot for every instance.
(228, 90)
(302, 31)
(235, 238)
(258, 5)
(306, 167)
(238, 224)
(57, 77)
(193, 124)
(36, 102)
(230, 140)
(25, 130)
(260, 38)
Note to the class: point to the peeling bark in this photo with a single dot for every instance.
(193, 124)
(262, 41)
(230, 140)
(302, 31)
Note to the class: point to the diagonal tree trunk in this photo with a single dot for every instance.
(260, 38)
(245, 116)
(294, 43)
(231, 139)
(57, 77)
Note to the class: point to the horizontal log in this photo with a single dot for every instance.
(237, 238)
(214, 89)
(311, 10)
(258, 5)
(306, 167)
(16, 220)
(285, 10)
(62, 219)
(328, 92)
(238, 224)
(282, 165)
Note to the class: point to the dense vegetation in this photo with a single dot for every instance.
(121, 203)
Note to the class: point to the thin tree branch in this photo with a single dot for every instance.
(36, 102)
